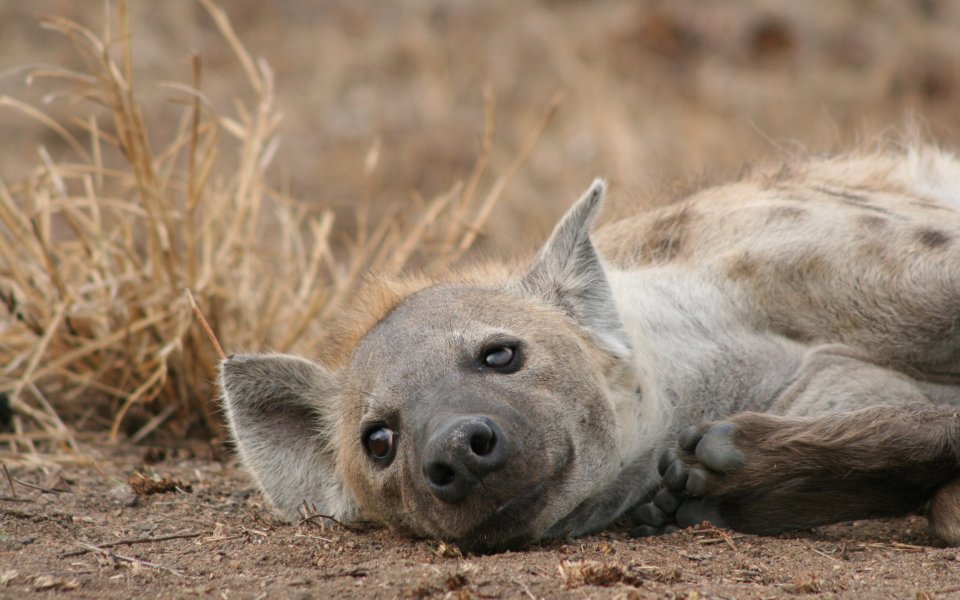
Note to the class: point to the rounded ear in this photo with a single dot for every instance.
(567, 273)
(281, 411)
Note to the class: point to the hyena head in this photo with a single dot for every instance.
(475, 411)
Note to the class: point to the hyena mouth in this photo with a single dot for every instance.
(508, 526)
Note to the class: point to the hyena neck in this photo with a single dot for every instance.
(694, 354)
(693, 357)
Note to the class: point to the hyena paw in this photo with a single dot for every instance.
(657, 517)
(669, 511)
(706, 462)
(696, 477)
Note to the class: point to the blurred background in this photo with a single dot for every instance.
(648, 94)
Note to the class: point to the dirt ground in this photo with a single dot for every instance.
(88, 534)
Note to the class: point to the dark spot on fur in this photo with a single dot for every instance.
(743, 267)
(853, 199)
(666, 247)
(668, 235)
(786, 213)
(872, 222)
(788, 330)
(935, 86)
(932, 238)
(771, 38)
(928, 204)
(803, 272)
(871, 249)
(844, 194)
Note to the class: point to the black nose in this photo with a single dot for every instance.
(460, 453)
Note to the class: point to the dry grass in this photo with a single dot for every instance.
(96, 249)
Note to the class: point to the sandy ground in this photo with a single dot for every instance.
(89, 535)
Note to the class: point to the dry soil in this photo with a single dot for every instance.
(152, 523)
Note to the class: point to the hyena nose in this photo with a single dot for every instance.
(460, 453)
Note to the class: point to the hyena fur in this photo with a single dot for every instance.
(779, 352)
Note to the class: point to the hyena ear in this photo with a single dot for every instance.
(281, 411)
(567, 273)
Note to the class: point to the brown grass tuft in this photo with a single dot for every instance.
(96, 249)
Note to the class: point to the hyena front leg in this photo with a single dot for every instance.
(764, 473)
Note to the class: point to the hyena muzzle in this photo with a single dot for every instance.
(779, 352)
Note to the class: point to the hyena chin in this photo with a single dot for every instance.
(776, 353)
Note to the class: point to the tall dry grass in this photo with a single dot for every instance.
(97, 248)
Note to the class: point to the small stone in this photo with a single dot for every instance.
(124, 496)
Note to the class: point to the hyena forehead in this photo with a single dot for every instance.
(449, 319)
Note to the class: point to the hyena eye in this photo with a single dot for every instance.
(379, 442)
(502, 358)
(498, 357)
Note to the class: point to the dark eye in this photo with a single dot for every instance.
(498, 357)
(503, 358)
(379, 442)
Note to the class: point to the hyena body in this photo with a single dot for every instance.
(779, 352)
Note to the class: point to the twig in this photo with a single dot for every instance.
(526, 589)
(153, 423)
(129, 542)
(723, 537)
(13, 491)
(224, 538)
(130, 559)
(896, 546)
(825, 555)
(355, 573)
(947, 590)
(307, 517)
(38, 487)
(314, 537)
(310, 519)
(206, 326)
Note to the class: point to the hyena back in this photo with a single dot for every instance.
(782, 351)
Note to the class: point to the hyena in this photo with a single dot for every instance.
(779, 352)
